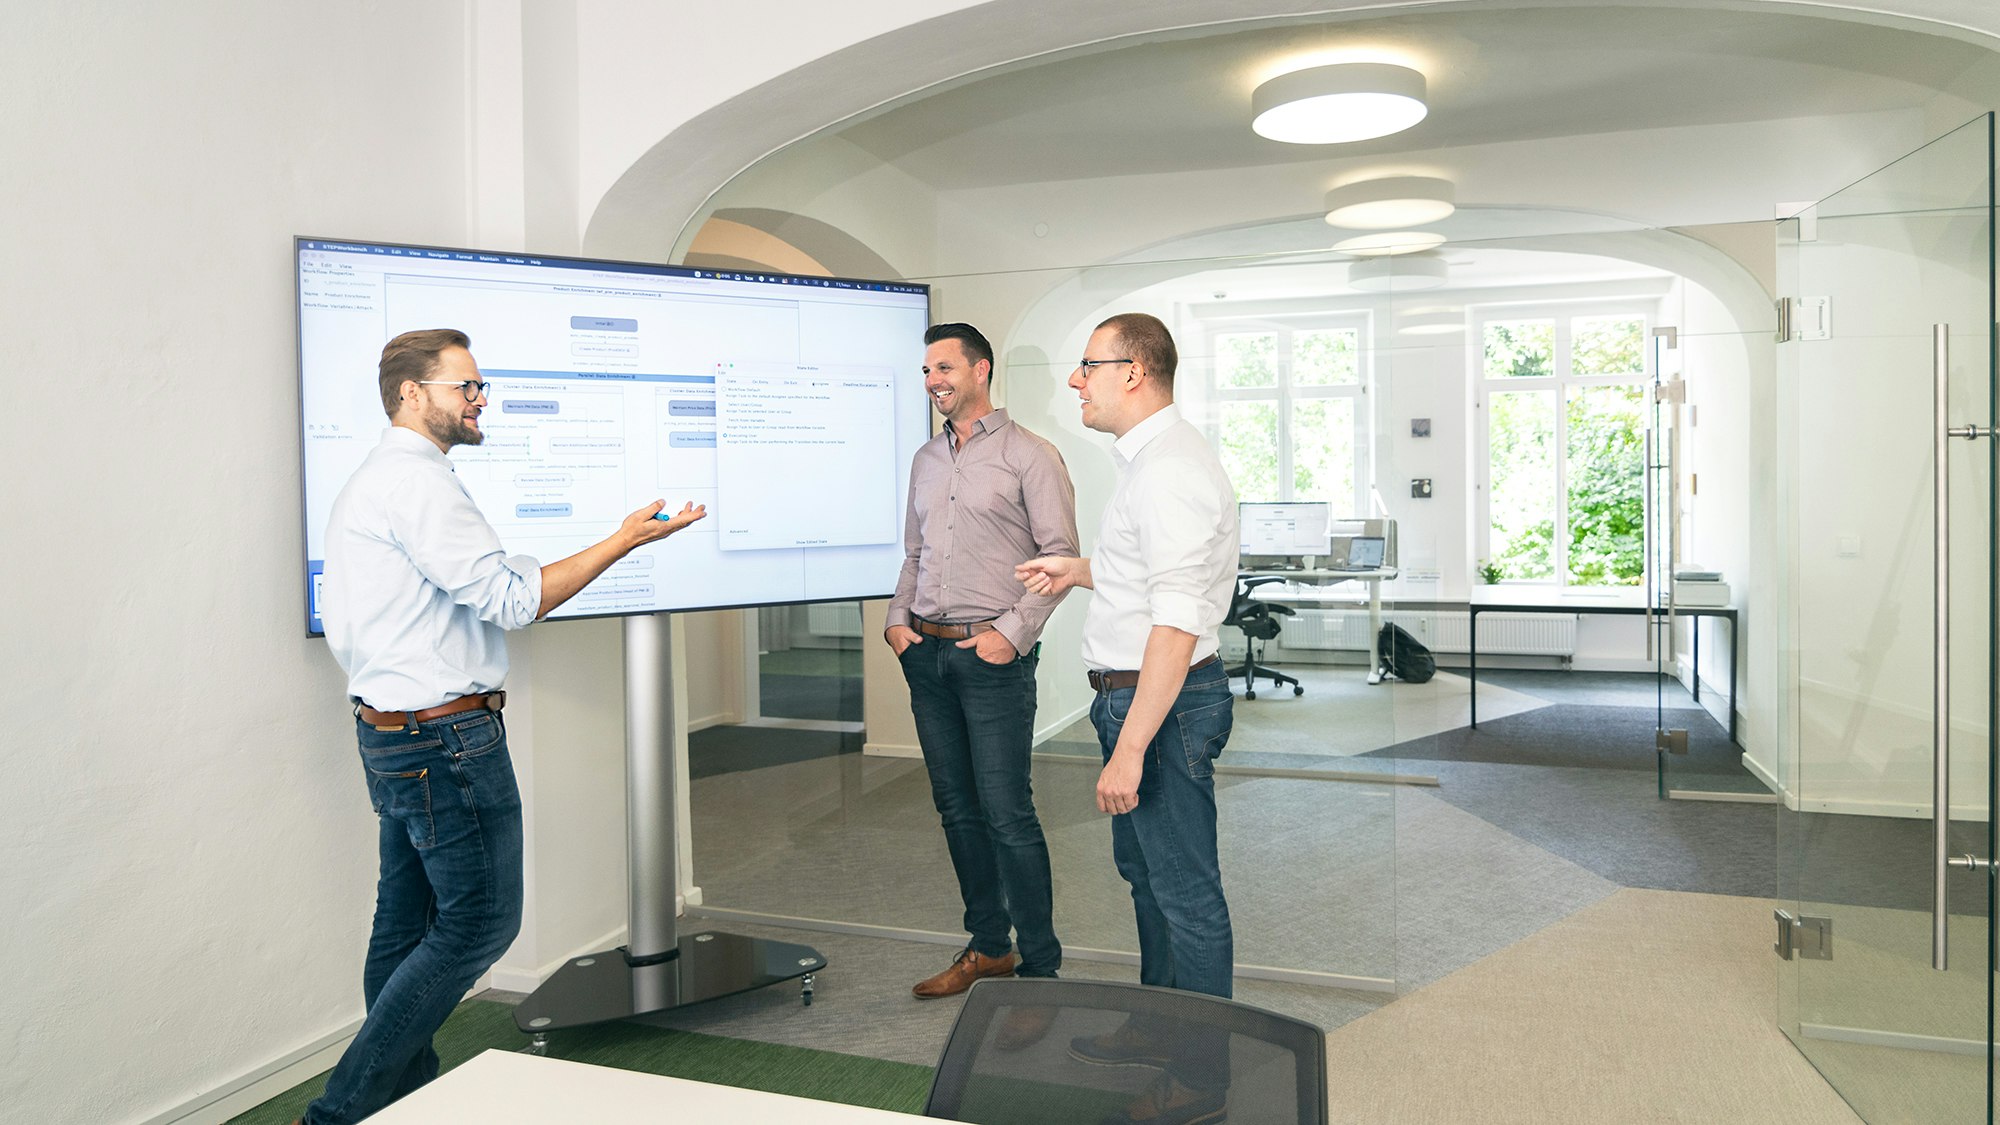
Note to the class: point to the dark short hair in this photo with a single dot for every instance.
(414, 355)
(968, 337)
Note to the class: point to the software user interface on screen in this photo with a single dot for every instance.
(790, 406)
(1284, 529)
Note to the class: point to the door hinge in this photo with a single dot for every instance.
(1807, 938)
(1670, 741)
(1804, 318)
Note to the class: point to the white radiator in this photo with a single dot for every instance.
(1523, 634)
(834, 619)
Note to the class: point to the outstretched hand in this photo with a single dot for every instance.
(650, 524)
(1053, 574)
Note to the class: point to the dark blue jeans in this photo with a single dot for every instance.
(976, 722)
(1165, 848)
(447, 905)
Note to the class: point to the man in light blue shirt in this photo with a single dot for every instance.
(417, 599)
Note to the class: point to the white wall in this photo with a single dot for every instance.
(188, 846)
(189, 852)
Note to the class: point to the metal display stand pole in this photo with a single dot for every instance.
(655, 970)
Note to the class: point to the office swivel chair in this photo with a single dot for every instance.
(1270, 1068)
(1260, 622)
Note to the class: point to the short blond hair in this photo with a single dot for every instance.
(1143, 337)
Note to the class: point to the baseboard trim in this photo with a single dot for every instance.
(1070, 952)
(1047, 732)
(1909, 1041)
(509, 979)
(262, 1084)
(891, 750)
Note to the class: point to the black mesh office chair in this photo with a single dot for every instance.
(1106, 1049)
(1260, 622)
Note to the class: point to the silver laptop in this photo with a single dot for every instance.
(1364, 552)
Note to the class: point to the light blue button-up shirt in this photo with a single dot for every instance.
(417, 591)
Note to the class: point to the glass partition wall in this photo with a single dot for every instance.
(1886, 461)
(1492, 425)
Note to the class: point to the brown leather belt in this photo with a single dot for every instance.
(1115, 681)
(946, 632)
(397, 720)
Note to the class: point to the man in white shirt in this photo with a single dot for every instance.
(1163, 576)
(416, 599)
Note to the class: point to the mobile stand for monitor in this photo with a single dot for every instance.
(655, 971)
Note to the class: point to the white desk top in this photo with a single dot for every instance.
(1317, 577)
(503, 1087)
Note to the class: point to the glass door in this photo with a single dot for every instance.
(1885, 476)
(1696, 603)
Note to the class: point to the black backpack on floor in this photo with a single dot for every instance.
(1404, 656)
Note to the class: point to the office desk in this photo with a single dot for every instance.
(503, 1087)
(1374, 578)
(1629, 603)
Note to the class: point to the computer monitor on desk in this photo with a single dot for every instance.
(1280, 535)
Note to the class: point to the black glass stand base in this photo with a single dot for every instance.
(601, 987)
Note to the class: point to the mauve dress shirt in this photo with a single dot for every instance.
(977, 509)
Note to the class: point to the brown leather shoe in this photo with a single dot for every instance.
(1167, 1102)
(1023, 1028)
(967, 967)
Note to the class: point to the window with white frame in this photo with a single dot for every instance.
(1290, 423)
(1563, 397)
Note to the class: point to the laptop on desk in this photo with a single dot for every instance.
(1364, 552)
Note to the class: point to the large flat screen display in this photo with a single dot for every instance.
(790, 406)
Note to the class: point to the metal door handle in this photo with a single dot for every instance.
(1941, 644)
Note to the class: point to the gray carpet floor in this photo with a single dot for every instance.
(1550, 807)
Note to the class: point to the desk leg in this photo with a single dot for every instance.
(1732, 677)
(1374, 630)
(1694, 630)
(1472, 651)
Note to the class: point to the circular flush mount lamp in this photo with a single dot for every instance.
(1397, 275)
(1392, 201)
(1327, 105)
(1430, 322)
(1390, 242)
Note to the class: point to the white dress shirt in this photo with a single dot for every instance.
(1167, 547)
(418, 591)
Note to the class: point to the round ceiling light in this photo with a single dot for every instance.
(1390, 242)
(1397, 275)
(1430, 322)
(1392, 201)
(1326, 105)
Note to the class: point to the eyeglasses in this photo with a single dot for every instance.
(1089, 364)
(471, 388)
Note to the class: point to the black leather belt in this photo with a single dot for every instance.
(1114, 681)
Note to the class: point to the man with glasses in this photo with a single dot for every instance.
(1163, 577)
(418, 593)
(984, 494)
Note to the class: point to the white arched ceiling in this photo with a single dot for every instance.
(645, 211)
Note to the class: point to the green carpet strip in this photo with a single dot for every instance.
(478, 1025)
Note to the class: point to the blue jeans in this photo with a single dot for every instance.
(447, 905)
(976, 722)
(1165, 848)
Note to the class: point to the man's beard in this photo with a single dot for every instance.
(449, 427)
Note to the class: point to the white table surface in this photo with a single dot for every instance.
(505, 1087)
